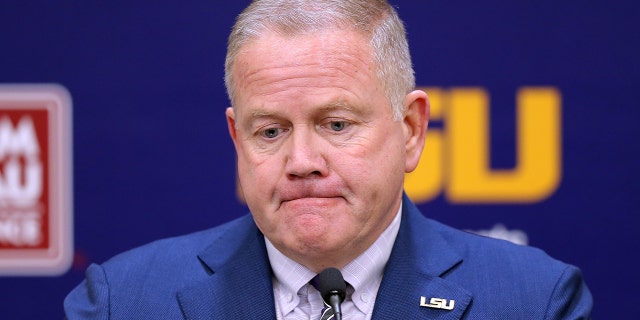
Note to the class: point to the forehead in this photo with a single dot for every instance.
(331, 40)
(322, 59)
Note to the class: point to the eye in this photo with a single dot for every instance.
(270, 133)
(338, 125)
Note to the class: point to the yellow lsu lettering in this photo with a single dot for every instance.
(456, 158)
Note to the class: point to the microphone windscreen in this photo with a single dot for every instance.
(330, 281)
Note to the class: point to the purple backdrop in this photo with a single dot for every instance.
(152, 157)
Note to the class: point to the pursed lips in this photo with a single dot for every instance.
(309, 193)
(309, 198)
(310, 205)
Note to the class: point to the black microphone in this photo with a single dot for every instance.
(333, 289)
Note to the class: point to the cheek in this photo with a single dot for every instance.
(254, 164)
(377, 152)
(376, 168)
(257, 177)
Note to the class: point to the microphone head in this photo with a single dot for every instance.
(331, 282)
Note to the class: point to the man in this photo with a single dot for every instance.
(325, 122)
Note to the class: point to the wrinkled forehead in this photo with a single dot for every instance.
(334, 52)
(331, 40)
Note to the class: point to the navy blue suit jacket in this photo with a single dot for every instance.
(224, 273)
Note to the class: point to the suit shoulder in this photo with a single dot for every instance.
(142, 283)
(175, 251)
(479, 247)
(533, 280)
(502, 262)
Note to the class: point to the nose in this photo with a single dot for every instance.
(305, 155)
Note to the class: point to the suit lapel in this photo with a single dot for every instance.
(238, 285)
(413, 275)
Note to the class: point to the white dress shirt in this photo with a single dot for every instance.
(295, 298)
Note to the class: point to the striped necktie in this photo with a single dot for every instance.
(327, 312)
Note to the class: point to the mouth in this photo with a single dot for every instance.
(309, 199)
(309, 202)
(310, 195)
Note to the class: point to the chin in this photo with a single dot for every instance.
(316, 249)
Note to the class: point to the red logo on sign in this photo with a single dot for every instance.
(35, 180)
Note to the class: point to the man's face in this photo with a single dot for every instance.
(320, 158)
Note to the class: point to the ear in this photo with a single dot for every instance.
(233, 132)
(231, 124)
(416, 120)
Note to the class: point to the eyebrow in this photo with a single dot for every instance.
(260, 114)
(338, 105)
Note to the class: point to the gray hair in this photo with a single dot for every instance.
(374, 19)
